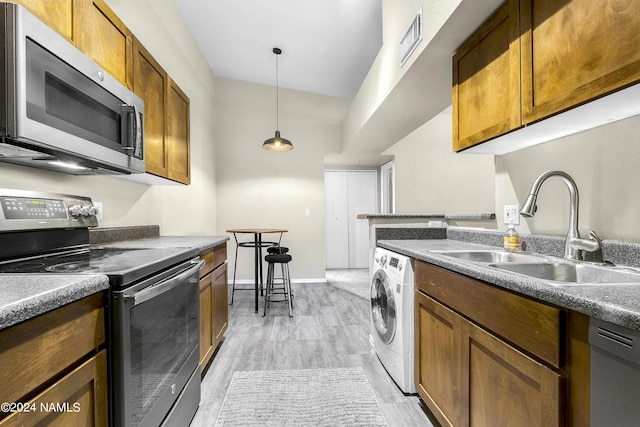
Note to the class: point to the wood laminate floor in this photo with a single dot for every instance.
(329, 329)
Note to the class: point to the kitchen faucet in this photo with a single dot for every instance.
(574, 244)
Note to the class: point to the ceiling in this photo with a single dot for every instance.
(327, 46)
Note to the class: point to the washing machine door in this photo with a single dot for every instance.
(383, 307)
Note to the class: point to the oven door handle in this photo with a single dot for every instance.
(146, 294)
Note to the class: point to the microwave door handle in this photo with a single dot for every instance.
(132, 131)
(138, 133)
(128, 128)
(137, 298)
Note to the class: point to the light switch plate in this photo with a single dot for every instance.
(512, 214)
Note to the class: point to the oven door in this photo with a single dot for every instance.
(155, 343)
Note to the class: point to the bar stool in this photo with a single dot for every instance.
(278, 291)
(280, 250)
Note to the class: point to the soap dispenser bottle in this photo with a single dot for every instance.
(511, 239)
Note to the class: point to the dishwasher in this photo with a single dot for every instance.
(615, 374)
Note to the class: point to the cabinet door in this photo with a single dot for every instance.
(100, 34)
(149, 83)
(179, 160)
(575, 51)
(78, 399)
(206, 324)
(507, 388)
(437, 359)
(486, 80)
(56, 14)
(220, 303)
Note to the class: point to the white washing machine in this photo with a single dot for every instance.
(392, 315)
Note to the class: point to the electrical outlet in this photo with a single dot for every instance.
(512, 214)
(307, 212)
(98, 206)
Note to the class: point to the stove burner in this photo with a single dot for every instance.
(24, 267)
(74, 267)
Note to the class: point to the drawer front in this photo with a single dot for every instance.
(37, 350)
(530, 325)
(213, 257)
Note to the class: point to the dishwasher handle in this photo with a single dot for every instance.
(615, 339)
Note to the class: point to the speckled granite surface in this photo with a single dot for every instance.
(25, 296)
(460, 217)
(99, 236)
(417, 233)
(619, 304)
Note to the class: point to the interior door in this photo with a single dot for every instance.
(348, 194)
(336, 219)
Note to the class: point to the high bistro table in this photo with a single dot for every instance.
(257, 244)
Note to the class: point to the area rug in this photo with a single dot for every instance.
(301, 397)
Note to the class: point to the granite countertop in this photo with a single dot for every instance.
(619, 304)
(24, 296)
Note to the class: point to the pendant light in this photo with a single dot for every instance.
(277, 143)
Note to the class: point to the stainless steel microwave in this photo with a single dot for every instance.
(58, 109)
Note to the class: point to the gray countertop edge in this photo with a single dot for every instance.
(26, 296)
(619, 304)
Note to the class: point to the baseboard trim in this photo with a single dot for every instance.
(251, 282)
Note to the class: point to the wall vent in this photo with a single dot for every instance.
(411, 38)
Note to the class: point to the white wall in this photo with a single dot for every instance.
(604, 164)
(259, 188)
(431, 179)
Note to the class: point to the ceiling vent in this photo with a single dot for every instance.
(411, 38)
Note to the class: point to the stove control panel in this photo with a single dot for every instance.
(29, 210)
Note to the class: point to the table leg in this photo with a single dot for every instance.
(256, 238)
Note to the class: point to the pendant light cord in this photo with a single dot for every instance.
(277, 92)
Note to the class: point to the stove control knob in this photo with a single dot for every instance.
(75, 210)
(82, 211)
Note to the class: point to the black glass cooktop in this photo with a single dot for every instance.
(121, 265)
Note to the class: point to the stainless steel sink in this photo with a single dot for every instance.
(572, 273)
(554, 271)
(493, 256)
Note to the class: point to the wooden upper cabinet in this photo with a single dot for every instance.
(179, 160)
(575, 51)
(486, 80)
(56, 14)
(150, 81)
(102, 36)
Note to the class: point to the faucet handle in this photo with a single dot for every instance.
(593, 246)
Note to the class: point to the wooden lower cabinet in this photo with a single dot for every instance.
(438, 362)
(468, 374)
(505, 387)
(54, 367)
(213, 303)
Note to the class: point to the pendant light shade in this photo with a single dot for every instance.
(277, 143)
